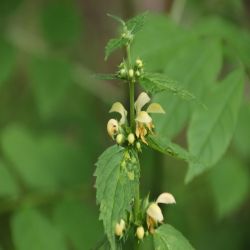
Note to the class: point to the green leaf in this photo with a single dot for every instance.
(133, 26)
(8, 185)
(199, 64)
(229, 181)
(7, 60)
(43, 163)
(50, 79)
(114, 44)
(165, 146)
(136, 23)
(31, 230)
(61, 22)
(227, 31)
(210, 131)
(168, 238)
(155, 83)
(118, 19)
(160, 41)
(74, 227)
(116, 177)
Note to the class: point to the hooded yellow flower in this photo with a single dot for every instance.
(113, 125)
(154, 213)
(144, 122)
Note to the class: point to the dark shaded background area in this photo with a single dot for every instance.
(53, 116)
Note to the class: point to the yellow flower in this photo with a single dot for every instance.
(154, 213)
(113, 125)
(144, 122)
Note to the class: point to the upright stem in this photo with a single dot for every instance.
(132, 125)
(131, 92)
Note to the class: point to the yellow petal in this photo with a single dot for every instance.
(143, 117)
(166, 198)
(155, 108)
(119, 108)
(141, 101)
(155, 213)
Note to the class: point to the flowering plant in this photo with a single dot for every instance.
(123, 212)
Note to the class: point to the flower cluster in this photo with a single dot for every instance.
(153, 216)
(119, 130)
(131, 74)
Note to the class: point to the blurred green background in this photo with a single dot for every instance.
(53, 116)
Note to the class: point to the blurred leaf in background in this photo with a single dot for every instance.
(8, 185)
(7, 60)
(32, 230)
(61, 22)
(230, 185)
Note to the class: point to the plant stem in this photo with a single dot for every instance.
(132, 125)
(131, 92)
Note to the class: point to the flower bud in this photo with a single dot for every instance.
(140, 232)
(112, 127)
(120, 139)
(122, 223)
(123, 72)
(118, 229)
(139, 63)
(137, 73)
(123, 164)
(131, 138)
(138, 146)
(131, 73)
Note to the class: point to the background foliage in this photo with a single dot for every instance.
(53, 118)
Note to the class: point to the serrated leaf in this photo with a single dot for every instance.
(106, 76)
(133, 25)
(168, 238)
(114, 44)
(136, 23)
(32, 230)
(210, 131)
(165, 146)
(229, 181)
(116, 177)
(156, 83)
